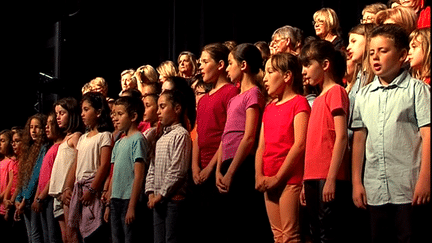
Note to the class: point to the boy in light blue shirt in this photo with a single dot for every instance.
(392, 128)
(129, 157)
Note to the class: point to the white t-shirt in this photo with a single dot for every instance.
(89, 149)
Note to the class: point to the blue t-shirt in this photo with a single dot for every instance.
(125, 153)
(28, 191)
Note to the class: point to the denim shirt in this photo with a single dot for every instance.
(28, 191)
(392, 116)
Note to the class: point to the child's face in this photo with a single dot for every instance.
(416, 54)
(121, 118)
(88, 114)
(36, 129)
(4, 143)
(273, 80)
(16, 143)
(313, 73)
(167, 113)
(209, 68)
(234, 69)
(62, 116)
(151, 107)
(49, 129)
(385, 59)
(356, 47)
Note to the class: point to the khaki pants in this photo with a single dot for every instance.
(283, 206)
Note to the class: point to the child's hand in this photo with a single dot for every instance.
(219, 184)
(302, 197)
(87, 198)
(37, 207)
(205, 174)
(421, 193)
(66, 197)
(329, 190)
(271, 182)
(106, 214)
(130, 216)
(359, 196)
(196, 175)
(260, 183)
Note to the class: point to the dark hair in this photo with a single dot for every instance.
(217, 52)
(8, 134)
(132, 93)
(188, 111)
(156, 86)
(55, 127)
(74, 111)
(264, 48)
(393, 32)
(321, 50)
(249, 53)
(286, 62)
(98, 102)
(132, 105)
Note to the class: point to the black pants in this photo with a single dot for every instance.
(329, 221)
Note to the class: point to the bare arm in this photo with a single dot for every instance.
(259, 175)
(422, 189)
(358, 151)
(340, 145)
(139, 169)
(245, 146)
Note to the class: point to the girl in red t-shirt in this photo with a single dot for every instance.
(280, 155)
(326, 174)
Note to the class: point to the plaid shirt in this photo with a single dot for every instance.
(168, 172)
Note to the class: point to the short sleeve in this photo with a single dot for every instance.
(337, 99)
(106, 139)
(302, 105)
(422, 104)
(357, 121)
(139, 149)
(255, 97)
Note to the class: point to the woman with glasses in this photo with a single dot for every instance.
(326, 24)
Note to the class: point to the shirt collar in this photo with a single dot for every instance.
(171, 128)
(400, 81)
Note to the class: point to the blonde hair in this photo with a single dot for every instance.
(147, 74)
(99, 81)
(133, 81)
(374, 8)
(167, 69)
(423, 35)
(192, 59)
(402, 16)
(86, 88)
(330, 19)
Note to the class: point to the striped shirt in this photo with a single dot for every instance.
(168, 171)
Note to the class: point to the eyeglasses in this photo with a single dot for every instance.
(276, 42)
(318, 22)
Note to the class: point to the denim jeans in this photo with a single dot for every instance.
(50, 225)
(33, 224)
(119, 230)
(166, 221)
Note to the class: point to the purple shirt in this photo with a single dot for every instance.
(236, 120)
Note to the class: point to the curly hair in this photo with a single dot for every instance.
(31, 149)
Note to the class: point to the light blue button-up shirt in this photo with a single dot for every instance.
(392, 116)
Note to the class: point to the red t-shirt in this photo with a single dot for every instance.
(211, 118)
(278, 123)
(424, 20)
(321, 135)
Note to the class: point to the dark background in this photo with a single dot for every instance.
(102, 38)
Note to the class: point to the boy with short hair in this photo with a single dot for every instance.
(392, 127)
(129, 157)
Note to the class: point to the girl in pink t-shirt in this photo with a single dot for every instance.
(235, 164)
(326, 181)
(280, 155)
(6, 174)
